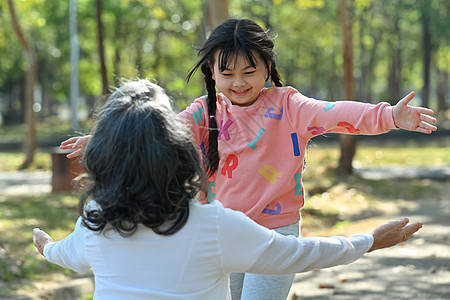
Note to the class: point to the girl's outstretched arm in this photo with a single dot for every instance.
(413, 118)
(76, 142)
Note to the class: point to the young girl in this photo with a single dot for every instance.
(253, 138)
(146, 237)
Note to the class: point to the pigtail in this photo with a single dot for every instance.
(213, 159)
(274, 76)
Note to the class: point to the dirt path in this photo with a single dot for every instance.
(418, 269)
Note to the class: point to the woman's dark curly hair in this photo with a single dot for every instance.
(232, 38)
(141, 165)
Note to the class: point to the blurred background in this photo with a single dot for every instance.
(58, 59)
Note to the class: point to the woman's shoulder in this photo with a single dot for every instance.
(217, 210)
(198, 206)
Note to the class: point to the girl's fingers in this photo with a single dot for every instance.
(69, 141)
(428, 126)
(427, 118)
(405, 100)
(73, 154)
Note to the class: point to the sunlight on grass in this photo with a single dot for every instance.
(330, 200)
(408, 156)
(56, 213)
(381, 156)
(10, 162)
(50, 128)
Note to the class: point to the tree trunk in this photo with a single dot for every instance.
(427, 48)
(362, 54)
(394, 78)
(442, 91)
(217, 12)
(74, 60)
(139, 54)
(367, 57)
(30, 82)
(101, 51)
(371, 66)
(117, 50)
(348, 142)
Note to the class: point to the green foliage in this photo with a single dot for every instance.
(156, 39)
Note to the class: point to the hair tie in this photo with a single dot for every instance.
(211, 117)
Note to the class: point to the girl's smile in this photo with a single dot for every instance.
(240, 82)
(239, 93)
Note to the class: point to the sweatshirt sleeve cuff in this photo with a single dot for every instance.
(391, 121)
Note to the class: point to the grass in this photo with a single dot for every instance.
(330, 202)
(333, 202)
(19, 260)
(49, 128)
(11, 161)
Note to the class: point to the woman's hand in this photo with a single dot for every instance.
(393, 233)
(40, 239)
(77, 142)
(413, 118)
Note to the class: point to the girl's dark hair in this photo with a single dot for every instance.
(142, 167)
(232, 38)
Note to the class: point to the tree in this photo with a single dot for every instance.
(441, 46)
(369, 36)
(395, 65)
(348, 142)
(74, 59)
(30, 82)
(101, 51)
(427, 50)
(217, 12)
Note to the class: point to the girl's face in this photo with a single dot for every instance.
(240, 82)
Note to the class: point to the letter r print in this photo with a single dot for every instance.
(230, 164)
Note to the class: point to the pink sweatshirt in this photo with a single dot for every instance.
(262, 147)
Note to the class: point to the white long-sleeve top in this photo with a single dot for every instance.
(195, 262)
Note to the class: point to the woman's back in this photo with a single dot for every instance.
(185, 265)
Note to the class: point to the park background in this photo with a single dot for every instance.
(58, 58)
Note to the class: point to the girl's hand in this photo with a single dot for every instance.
(77, 142)
(393, 233)
(413, 118)
(40, 239)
